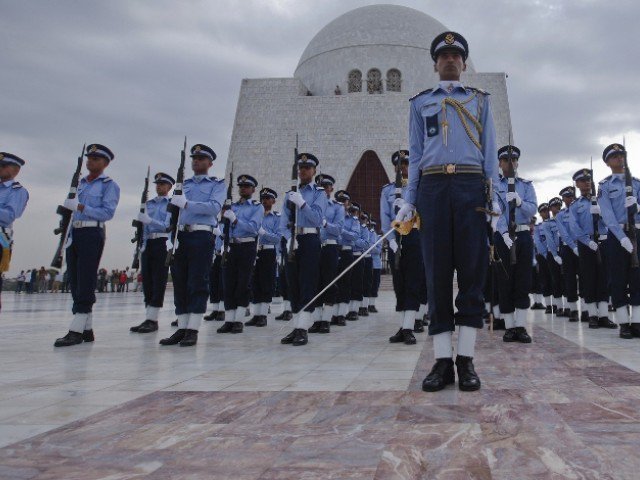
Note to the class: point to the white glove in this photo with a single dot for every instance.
(575, 251)
(594, 209)
(493, 219)
(217, 232)
(261, 231)
(630, 201)
(398, 202)
(507, 240)
(558, 259)
(406, 212)
(229, 214)
(324, 222)
(296, 198)
(393, 245)
(514, 196)
(144, 218)
(71, 204)
(179, 201)
(593, 245)
(535, 262)
(626, 244)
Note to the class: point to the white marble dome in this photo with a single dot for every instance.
(375, 37)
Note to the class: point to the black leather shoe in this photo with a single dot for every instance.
(604, 322)
(315, 328)
(339, 320)
(555, 310)
(236, 327)
(252, 322)
(289, 338)
(522, 335)
(220, 316)
(593, 322)
(417, 326)
(226, 327)
(262, 321)
(573, 316)
(537, 306)
(352, 316)
(324, 327)
(561, 312)
(190, 338)
(584, 316)
(440, 376)
(300, 337)
(211, 316)
(404, 335)
(87, 336)
(373, 309)
(635, 330)
(286, 316)
(498, 324)
(425, 320)
(363, 312)
(468, 380)
(174, 323)
(71, 338)
(549, 309)
(174, 339)
(509, 335)
(147, 326)
(625, 331)
(397, 338)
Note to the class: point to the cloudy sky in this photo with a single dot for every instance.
(139, 75)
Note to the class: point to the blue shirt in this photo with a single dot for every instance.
(551, 236)
(334, 215)
(249, 215)
(100, 198)
(387, 197)
(312, 213)
(611, 195)
(581, 221)
(540, 239)
(350, 231)
(430, 143)
(13, 200)
(205, 196)
(527, 208)
(563, 222)
(362, 242)
(271, 224)
(376, 253)
(160, 218)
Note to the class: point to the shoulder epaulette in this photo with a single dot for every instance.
(216, 179)
(318, 187)
(525, 180)
(106, 179)
(421, 93)
(387, 185)
(479, 90)
(16, 185)
(276, 213)
(605, 179)
(637, 180)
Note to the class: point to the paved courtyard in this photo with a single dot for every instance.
(346, 406)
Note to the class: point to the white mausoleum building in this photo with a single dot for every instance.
(348, 102)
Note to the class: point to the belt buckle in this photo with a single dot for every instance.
(450, 169)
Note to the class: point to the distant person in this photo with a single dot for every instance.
(21, 278)
(32, 280)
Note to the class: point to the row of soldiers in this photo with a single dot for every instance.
(583, 251)
(230, 252)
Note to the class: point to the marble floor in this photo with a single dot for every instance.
(346, 406)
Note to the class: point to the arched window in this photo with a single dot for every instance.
(355, 81)
(374, 81)
(394, 80)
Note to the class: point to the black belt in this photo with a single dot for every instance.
(452, 169)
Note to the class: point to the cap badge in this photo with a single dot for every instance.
(303, 157)
(616, 147)
(93, 149)
(449, 39)
(197, 148)
(1, 156)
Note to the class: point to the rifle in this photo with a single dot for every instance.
(595, 217)
(175, 211)
(630, 228)
(64, 227)
(225, 221)
(511, 187)
(398, 194)
(139, 226)
(292, 207)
